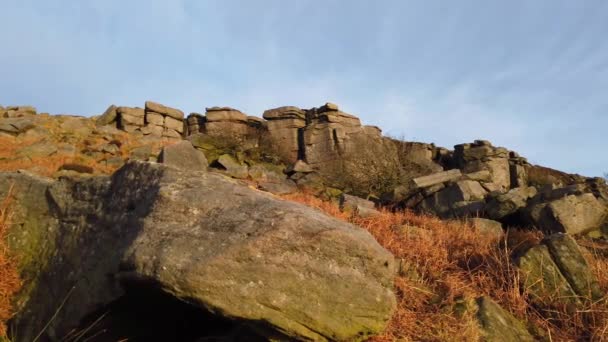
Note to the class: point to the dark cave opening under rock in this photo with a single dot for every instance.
(152, 315)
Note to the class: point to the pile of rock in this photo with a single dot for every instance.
(163, 121)
(493, 182)
(481, 156)
(17, 111)
(130, 119)
(155, 120)
(196, 123)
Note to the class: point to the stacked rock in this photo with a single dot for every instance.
(163, 121)
(284, 124)
(196, 123)
(232, 125)
(130, 119)
(480, 156)
(17, 111)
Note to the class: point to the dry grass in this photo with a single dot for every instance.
(446, 264)
(49, 165)
(9, 277)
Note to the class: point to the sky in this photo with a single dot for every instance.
(531, 76)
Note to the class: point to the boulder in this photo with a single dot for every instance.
(183, 156)
(499, 325)
(233, 167)
(108, 117)
(329, 107)
(284, 187)
(142, 153)
(463, 198)
(568, 257)
(481, 155)
(480, 176)
(174, 124)
(15, 126)
(437, 178)
(299, 166)
(575, 214)
(129, 117)
(357, 205)
(542, 280)
(284, 135)
(503, 205)
(266, 173)
(196, 123)
(17, 111)
(489, 227)
(283, 269)
(162, 109)
(155, 119)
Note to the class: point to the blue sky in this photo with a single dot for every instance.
(528, 75)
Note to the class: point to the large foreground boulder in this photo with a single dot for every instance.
(285, 270)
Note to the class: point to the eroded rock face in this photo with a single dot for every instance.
(497, 324)
(184, 156)
(284, 269)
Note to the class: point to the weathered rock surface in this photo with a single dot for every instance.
(542, 279)
(108, 117)
(489, 227)
(575, 214)
(568, 257)
(437, 178)
(499, 325)
(233, 167)
(183, 156)
(15, 126)
(284, 269)
(506, 204)
(358, 206)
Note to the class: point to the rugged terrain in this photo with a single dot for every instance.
(144, 224)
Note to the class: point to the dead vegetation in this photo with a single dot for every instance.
(445, 265)
(9, 277)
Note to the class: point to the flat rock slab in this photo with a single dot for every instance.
(437, 178)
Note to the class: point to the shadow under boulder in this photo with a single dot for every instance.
(148, 314)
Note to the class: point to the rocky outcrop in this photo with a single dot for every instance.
(17, 111)
(283, 269)
(556, 272)
(285, 130)
(327, 149)
(154, 120)
(163, 121)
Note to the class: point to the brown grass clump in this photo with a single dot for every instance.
(446, 264)
(9, 277)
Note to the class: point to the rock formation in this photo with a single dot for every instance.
(282, 269)
(185, 218)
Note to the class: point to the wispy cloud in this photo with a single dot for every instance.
(529, 75)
